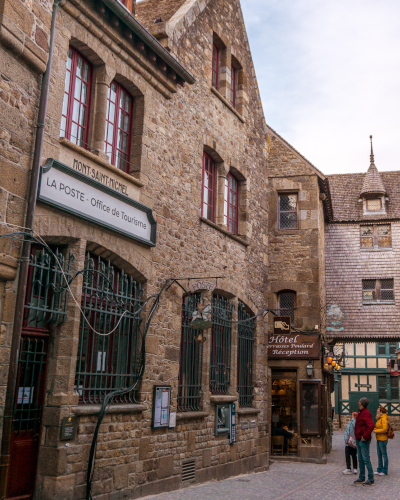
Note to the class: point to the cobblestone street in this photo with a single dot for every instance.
(301, 481)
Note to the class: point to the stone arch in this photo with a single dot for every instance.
(232, 290)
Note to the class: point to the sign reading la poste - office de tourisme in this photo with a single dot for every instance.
(75, 193)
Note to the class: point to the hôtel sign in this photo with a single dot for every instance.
(73, 192)
(284, 344)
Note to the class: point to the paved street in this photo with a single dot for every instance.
(298, 481)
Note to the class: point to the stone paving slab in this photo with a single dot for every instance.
(301, 481)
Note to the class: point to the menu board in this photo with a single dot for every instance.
(161, 406)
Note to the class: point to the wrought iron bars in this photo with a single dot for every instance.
(246, 331)
(221, 345)
(47, 294)
(108, 362)
(190, 370)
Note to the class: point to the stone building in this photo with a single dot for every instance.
(154, 166)
(298, 208)
(362, 287)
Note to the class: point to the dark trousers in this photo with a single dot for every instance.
(351, 452)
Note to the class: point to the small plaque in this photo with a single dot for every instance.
(245, 424)
(252, 424)
(68, 428)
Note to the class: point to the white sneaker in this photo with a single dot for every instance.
(382, 474)
(347, 471)
(377, 473)
(355, 471)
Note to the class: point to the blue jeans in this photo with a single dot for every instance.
(364, 459)
(383, 461)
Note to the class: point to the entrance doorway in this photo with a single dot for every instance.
(284, 425)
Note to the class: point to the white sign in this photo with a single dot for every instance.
(25, 395)
(73, 192)
(202, 285)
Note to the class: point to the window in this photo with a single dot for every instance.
(190, 369)
(208, 188)
(118, 126)
(378, 290)
(376, 236)
(246, 331)
(388, 387)
(221, 345)
(286, 304)
(231, 198)
(310, 408)
(288, 211)
(108, 361)
(374, 205)
(215, 66)
(75, 111)
(233, 87)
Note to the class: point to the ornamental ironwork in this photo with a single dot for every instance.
(246, 337)
(221, 345)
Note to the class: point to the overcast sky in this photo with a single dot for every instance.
(329, 76)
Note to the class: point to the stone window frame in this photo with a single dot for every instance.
(239, 80)
(377, 290)
(288, 193)
(375, 237)
(220, 47)
(278, 304)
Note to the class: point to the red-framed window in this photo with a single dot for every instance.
(208, 188)
(118, 131)
(231, 199)
(215, 66)
(76, 103)
(233, 87)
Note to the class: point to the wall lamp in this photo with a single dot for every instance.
(310, 369)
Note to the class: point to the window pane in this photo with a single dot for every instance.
(77, 93)
(74, 133)
(288, 202)
(67, 81)
(113, 95)
(366, 230)
(79, 65)
(128, 104)
(84, 93)
(309, 408)
(394, 384)
(374, 205)
(69, 60)
(63, 125)
(82, 115)
(288, 220)
(75, 111)
(65, 105)
(367, 242)
(126, 123)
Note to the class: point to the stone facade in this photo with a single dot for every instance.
(173, 126)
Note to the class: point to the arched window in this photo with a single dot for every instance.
(231, 203)
(287, 304)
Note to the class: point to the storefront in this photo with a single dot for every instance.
(300, 394)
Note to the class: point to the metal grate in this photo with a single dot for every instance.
(221, 344)
(246, 331)
(287, 305)
(189, 470)
(369, 292)
(387, 292)
(374, 205)
(190, 370)
(288, 211)
(108, 362)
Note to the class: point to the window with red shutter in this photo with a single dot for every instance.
(208, 188)
(75, 112)
(231, 199)
(118, 131)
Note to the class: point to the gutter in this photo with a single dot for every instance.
(123, 13)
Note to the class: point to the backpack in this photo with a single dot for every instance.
(390, 432)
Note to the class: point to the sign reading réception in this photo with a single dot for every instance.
(293, 345)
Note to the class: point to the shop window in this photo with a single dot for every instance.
(191, 359)
(284, 404)
(287, 304)
(75, 111)
(287, 206)
(118, 126)
(375, 236)
(231, 202)
(215, 66)
(310, 410)
(378, 291)
(221, 345)
(233, 86)
(109, 337)
(246, 337)
(208, 188)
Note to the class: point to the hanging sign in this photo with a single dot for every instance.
(293, 346)
(69, 190)
(202, 285)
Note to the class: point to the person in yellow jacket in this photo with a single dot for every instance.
(381, 429)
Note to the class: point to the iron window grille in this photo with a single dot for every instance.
(191, 359)
(215, 66)
(75, 110)
(233, 87)
(287, 211)
(118, 126)
(231, 199)
(287, 305)
(375, 236)
(47, 296)
(108, 362)
(221, 345)
(208, 188)
(374, 205)
(246, 338)
(378, 291)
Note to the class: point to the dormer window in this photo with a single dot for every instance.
(374, 205)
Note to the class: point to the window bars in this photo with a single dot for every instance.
(191, 361)
(381, 290)
(288, 211)
(47, 294)
(246, 337)
(221, 344)
(109, 361)
(287, 305)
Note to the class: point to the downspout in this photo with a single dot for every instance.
(24, 267)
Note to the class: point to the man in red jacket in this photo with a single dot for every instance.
(363, 428)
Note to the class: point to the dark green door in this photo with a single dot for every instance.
(373, 398)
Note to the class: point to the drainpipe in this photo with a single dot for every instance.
(24, 267)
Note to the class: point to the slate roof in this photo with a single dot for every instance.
(373, 182)
(149, 10)
(345, 192)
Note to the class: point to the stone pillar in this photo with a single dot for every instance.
(103, 76)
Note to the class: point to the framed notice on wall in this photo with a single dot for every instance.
(161, 406)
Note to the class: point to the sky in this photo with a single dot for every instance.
(329, 77)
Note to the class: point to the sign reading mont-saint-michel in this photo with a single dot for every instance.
(80, 195)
